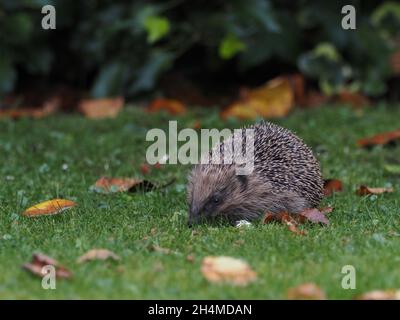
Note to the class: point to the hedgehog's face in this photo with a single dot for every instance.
(213, 191)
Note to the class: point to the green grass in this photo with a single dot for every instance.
(364, 231)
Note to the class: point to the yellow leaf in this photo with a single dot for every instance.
(273, 100)
(49, 207)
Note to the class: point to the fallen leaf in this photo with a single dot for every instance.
(315, 99)
(268, 218)
(380, 295)
(98, 254)
(159, 249)
(195, 233)
(226, 269)
(172, 106)
(326, 210)
(145, 168)
(49, 208)
(331, 186)
(196, 125)
(314, 215)
(101, 108)
(364, 190)
(355, 99)
(272, 100)
(285, 218)
(380, 139)
(49, 107)
(395, 62)
(297, 83)
(292, 225)
(190, 258)
(306, 291)
(40, 260)
(157, 165)
(112, 185)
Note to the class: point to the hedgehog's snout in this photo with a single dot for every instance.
(194, 215)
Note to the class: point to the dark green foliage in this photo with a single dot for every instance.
(113, 48)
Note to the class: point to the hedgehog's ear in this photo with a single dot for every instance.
(243, 181)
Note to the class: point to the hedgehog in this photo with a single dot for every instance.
(286, 178)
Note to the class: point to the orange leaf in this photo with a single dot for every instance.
(49, 207)
(101, 108)
(286, 219)
(331, 186)
(50, 106)
(380, 139)
(40, 260)
(226, 269)
(111, 185)
(144, 168)
(306, 291)
(273, 100)
(172, 106)
(364, 190)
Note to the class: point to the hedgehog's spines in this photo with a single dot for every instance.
(286, 176)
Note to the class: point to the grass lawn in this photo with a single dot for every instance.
(364, 231)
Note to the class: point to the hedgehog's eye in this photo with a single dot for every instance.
(215, 199)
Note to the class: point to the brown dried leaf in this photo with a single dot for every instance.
(314, 215)
(380, 139)
(101, 108)
(40, 260)
(226, 269)
(326, 210)
(395, 62)
(331, 186)
(172, 106)
(380, 295)
(268, 218)
(49, 107)
(364, 190)
(306, 291)
(159, 249)
(315, 99)
(355, 99)
(297, 83)
(145, 168)
(98, 254)
(49, 208)
(111, 185)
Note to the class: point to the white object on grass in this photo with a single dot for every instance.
(243, 223)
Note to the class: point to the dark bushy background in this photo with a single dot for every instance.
(125, 47)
